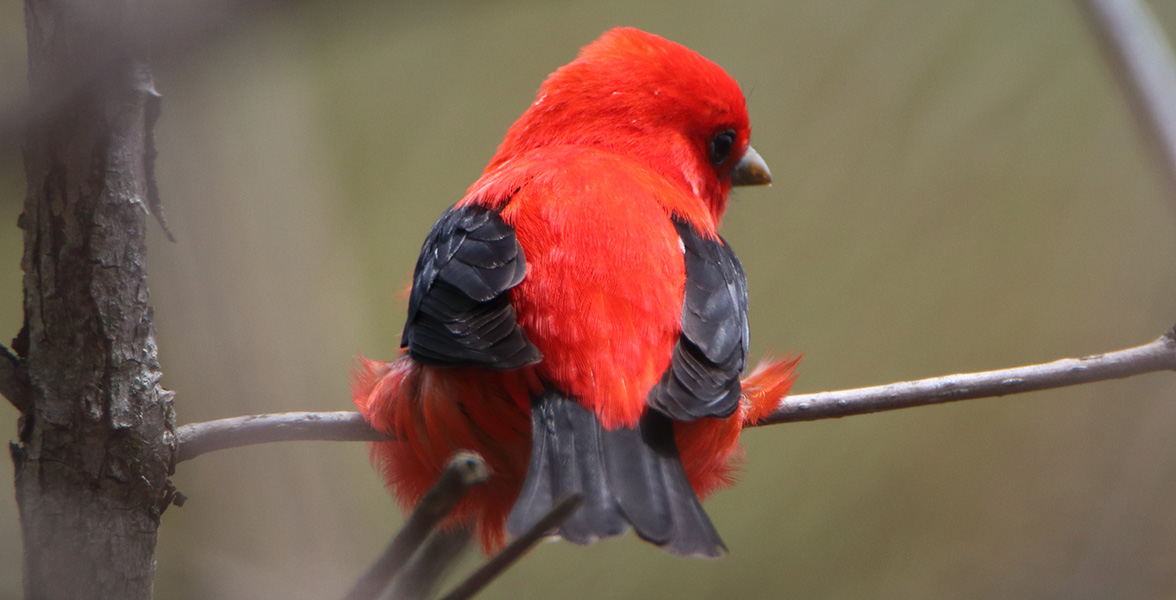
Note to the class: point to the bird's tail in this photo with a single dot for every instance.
(628, 477)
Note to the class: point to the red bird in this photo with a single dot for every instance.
(577, 320)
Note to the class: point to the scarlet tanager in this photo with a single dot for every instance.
(577, 320)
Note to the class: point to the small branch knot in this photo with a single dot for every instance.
(471, 468)
(14, 381)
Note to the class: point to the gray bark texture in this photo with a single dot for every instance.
(97, 438)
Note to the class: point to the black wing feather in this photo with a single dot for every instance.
(703, 377)
(458, 312)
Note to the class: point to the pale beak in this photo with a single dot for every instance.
(751, 170)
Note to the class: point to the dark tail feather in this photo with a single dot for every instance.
(627, 477)
(565, 460)
(651, 487)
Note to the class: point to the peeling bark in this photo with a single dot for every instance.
(97, 443)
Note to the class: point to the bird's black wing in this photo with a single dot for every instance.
(458, 312)
(703, 377)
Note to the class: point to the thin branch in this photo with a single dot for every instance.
(515, 550)
(463, 471)
(1159, 355)
(1142, 60)
(199, 438)
(432, 561)
(14, 382)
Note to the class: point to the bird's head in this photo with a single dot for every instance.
(647, 97)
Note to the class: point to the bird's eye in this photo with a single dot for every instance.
(721, 145)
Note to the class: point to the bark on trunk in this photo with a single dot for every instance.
(97, 444)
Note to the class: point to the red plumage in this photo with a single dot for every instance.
(618, 170)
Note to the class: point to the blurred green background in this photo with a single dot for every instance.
(959, 187)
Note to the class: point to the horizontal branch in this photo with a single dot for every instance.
(1160, 355)
(340, 426)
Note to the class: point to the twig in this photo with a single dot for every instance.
(515, 550)
(420, 577)
(199, 438)
(1159, 355)
(464, 470)
(1142, 60)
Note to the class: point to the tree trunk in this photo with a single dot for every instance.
(97, 442)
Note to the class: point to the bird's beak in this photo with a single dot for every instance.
(751, 170)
